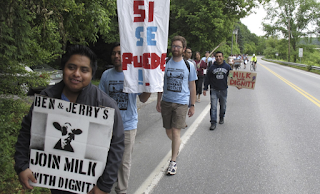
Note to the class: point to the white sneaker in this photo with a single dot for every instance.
(172, 169)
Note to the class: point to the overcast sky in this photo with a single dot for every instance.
(253, 21)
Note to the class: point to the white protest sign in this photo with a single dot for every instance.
(69, 144)
(244, 79)
(143, 27)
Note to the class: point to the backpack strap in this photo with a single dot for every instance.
(187, 64)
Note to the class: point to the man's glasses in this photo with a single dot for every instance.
(175, 46)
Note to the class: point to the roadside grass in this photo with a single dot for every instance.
(307, 68)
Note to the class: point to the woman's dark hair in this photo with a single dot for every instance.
(80, 50)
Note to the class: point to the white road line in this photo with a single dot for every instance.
(156, 175)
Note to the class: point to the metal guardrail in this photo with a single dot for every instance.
(293, 64)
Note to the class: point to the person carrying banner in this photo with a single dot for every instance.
(112, 83)
(201, 66)
(217, 78)
(206, 58)
(79, 65)
(179, 86)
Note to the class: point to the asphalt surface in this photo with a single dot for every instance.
(269, 142)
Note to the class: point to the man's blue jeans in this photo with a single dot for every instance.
(216, 95)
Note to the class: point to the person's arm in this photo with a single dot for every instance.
(159, 98)
(206, 82)
(21, 155)
(110, 173)
(144, 96)
(192, 87)
(24, 177)
(101, 83)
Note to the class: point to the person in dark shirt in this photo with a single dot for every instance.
(217, 78)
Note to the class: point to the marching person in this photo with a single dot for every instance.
(201, 66)
(188, 56)
(217, 78)
(79, 65)
(112, 83)
(179, 85)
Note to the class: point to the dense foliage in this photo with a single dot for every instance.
(292, 19)
(311, 55)
(206, 24)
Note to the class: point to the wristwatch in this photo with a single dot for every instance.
(191, 104)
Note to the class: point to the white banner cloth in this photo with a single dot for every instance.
(143, 27)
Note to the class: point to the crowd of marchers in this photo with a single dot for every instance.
(196, 76)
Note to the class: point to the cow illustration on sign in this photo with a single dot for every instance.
(67, 136)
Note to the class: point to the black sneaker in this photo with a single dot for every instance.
(213, 126)
(221, 120)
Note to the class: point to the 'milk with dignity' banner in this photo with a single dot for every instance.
(244, 79)
(143, 29)
(69, 144)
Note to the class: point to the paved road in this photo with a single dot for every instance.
(269, 143)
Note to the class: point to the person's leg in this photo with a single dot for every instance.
(199, 90)
(223, 103)
(125, 166)
(196, 82)
(178, 122)
(213, 108)
(169, 133)
(198, 87)
(176, 141)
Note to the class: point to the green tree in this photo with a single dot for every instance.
(35, 32)
(247, 41)
(291, 19)
(206, 24)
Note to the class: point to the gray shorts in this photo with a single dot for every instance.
(173, 115)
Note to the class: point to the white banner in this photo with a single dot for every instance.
(69, 144)
(143, 29)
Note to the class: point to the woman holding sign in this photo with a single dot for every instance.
(79, 64)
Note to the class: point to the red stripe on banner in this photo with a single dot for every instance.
(147, 84)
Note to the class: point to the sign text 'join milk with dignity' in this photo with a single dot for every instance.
(69, 144)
